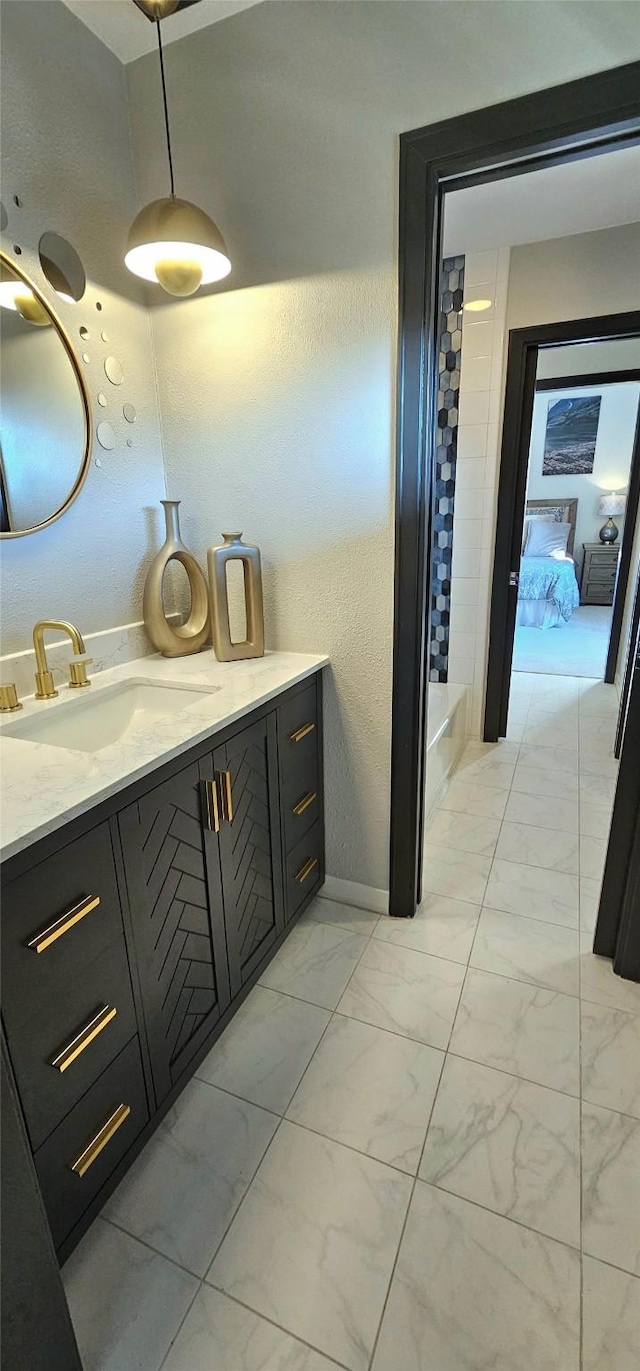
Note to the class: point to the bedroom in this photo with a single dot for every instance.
(583, 430)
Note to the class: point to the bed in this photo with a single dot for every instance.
(548, 586)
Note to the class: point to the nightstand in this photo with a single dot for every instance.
(599, 571)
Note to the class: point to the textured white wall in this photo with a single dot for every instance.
(66, 154)
(276, 388)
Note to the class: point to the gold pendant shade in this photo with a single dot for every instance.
(15, 294)
(175, 243)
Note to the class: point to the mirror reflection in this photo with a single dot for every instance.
(43, 411)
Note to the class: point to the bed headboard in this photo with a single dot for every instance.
(564, 511)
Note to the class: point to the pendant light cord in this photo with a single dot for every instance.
(166, 107)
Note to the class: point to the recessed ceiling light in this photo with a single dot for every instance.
(477, 305)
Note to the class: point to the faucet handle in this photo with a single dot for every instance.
(78, 672)
(9, 699)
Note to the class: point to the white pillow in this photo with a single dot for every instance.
(547, 538)
(528, 520)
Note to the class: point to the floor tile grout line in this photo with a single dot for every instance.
(181, 1325)
(273, 1324)
(406, 1220)
(144, 1242)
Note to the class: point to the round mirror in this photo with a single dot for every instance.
(44, 407)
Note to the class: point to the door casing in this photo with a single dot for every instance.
(582, 118)
(524, 346)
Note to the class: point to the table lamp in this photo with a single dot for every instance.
(609, 505)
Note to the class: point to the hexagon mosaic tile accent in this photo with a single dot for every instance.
(452, 287)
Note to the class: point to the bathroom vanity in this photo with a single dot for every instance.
(146, 884)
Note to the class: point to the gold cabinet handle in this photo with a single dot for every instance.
(211, 805)
(53, 931)
(86, 1035)
(103, 1136)
(304, 802)
(306, 870)
(227, 796)
(301, 733)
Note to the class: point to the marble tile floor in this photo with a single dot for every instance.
(417, 1146)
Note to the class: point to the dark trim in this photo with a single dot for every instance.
(594, 378)
(632, 640)
(626, 553)
(524, 346)
(617, 932)
(512, 492)
(562, 123)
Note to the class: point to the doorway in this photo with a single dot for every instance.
(558, 126)
(570, 454)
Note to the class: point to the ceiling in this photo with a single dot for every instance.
(122, 27)
(577, 197)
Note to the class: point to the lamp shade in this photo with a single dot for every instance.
(175, 243)
(14, 294)
(610, 505)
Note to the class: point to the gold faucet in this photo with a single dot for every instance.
(45, 689)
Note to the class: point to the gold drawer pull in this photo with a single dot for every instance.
(304, 803)
(53, 931)
(84, 1037)
(103, 1136)
(227, 796)
(301, 733)
(211, 802)
(306, 869)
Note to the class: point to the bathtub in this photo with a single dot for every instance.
(446, 737)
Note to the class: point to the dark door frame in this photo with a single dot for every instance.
(580, 119)
(617, 932)
(520, 391)
(633, 640)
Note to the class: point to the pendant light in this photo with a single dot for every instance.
(172, 241)
(16, 295)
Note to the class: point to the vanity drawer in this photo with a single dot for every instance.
(68, 906)
(304, 868)
(298, 745)
(94, 1138)
(58, 919)
(301, 807)
(60, 1046)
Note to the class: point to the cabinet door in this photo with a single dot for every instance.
(249, 846)
(178, 924)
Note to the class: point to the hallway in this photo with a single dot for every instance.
(417, 1146)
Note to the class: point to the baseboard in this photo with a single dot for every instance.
(351, 892)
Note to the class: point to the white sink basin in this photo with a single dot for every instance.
(93, 721)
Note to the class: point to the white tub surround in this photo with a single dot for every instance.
(44, 786)
(446, 737)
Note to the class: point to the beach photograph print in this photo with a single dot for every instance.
(570, 439)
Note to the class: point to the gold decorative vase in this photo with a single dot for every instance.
(175, 640)
(218, 558)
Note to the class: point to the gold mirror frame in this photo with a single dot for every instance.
(13, 266)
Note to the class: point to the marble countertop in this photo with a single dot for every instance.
(43, 787)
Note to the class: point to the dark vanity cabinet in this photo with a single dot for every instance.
(131, 935)
(204, 884)
(177, 926)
